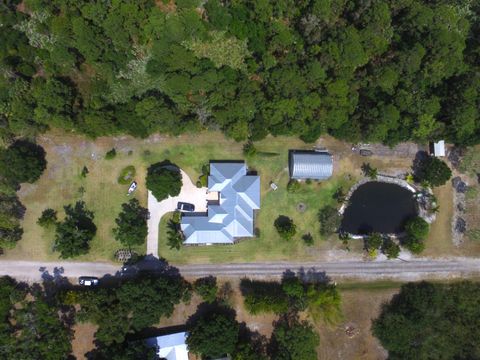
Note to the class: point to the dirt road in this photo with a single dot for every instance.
(365, 271)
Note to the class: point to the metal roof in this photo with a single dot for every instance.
(170, 347)
(439, 148)
(313, 165)
(232, 216)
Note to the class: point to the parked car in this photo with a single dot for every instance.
(88, 281)
(183, 206)
(132, 188)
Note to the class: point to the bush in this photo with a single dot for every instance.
(433, 171)
(285, 227)
(174, 235)
(293, 186)
(127, 174)
(84, 172)
(207, 288)
(329, 220)
(391, 249)
(308, 239)
(163, 180)
(111, 154)
(413, 244)
(294, 340)
(264, 297)
(176, 217)
(48, 218)
(373, 241)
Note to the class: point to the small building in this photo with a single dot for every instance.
(438, 148)
(234, 196)
(315, 165)
(170, 347)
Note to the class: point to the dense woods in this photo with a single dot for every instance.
(382, 71)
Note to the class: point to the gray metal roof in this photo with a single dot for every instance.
(313, 165)
(232, 217)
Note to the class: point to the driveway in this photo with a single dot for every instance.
(189, 193)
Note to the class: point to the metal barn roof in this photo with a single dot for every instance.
(313, 165)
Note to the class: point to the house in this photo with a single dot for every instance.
(230, 214)
(438, 148)
(315, 165)
(170, 347)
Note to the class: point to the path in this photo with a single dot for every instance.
(361, 270)
(189, 193)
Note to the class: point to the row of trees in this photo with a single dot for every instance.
(382, 71)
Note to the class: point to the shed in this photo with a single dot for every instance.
(439, 148)
(315, 165)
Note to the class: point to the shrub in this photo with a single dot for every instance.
(163, 180)
(127, 174)
(308, 239)
(373, 241)
(249, 149)
(264, 297)
(207, 288)
(111, 154)
(329, 220)
(174, 236)
(391, 249)
(413, 244)
(48, 218)
(84, 172)
(293, 186)
(176, 217)
(285, 227)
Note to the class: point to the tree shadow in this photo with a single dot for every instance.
(311, 275)
(418, 162)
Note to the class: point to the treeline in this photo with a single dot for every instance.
(382, 71)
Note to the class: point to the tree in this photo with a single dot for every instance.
(369, 171)
(294, 340)
(48, 218)
(308, 239)
(213, 334)
(131, 223)
(174, 235)
(449, 311)
(434, 171)
(111, 154)
(417, 228)
(391, 249)
(74, 233)
(329, 220)
(164, 180)
(207, 288)
(373, 241)
(285, 227)
(264, 297)
(22, 162)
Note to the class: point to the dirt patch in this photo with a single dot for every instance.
(83, 339)
(352, 339)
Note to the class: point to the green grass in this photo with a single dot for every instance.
(60, 185)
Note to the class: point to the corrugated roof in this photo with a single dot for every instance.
(233, 216)
(439, 148)
(310, 165)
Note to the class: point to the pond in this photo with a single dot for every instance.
(378, 207)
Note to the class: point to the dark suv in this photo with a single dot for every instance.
(183, 206)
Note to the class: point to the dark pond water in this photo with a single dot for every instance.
(378, 207)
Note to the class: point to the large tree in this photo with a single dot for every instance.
(22, 161)
(74, 233)
(213, 334)
(433, 171)
(163, 180)
(431, 321)
(131, 223)
(294, 340)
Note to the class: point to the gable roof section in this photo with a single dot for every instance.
(314, 165)
(233, 216)
(170, 347)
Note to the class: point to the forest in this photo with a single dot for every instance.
(379, 71)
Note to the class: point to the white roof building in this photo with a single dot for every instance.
(170, 347)
(232, 215)
(315, 165)
(439, 148)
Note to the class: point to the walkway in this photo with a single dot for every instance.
(189, 193)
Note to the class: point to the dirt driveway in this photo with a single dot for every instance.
(189, 193)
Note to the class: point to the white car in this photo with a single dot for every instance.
(88, 281)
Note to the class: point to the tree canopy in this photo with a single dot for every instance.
(163, 180)
(131, 223)
(433, 171)
(427, 320)
(382, 71)
(74, 233)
